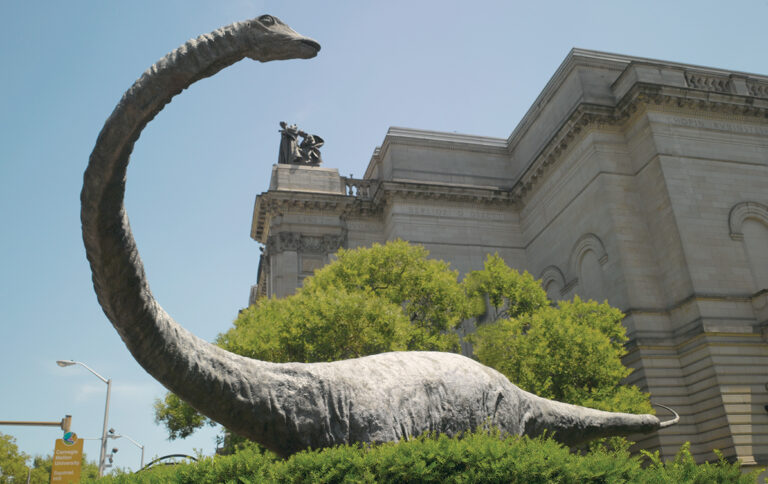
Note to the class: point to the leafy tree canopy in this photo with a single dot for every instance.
(571, 353)
(367, 301)
(13, 463)
(509, 292)
(427, 290)
(179, 418)
(392, 298)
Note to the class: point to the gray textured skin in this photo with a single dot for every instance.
(288, 407)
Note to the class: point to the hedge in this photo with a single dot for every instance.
(480, 457)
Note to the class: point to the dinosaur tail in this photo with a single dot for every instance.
(573, 424)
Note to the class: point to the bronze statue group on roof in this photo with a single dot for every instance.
(294, 153)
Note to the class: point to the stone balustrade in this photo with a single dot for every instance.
(357, 188)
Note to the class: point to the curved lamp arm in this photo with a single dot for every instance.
(65, 363)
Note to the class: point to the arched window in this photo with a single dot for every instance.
(586, 261)
(553, 282)
(591, 282)
(748, 223)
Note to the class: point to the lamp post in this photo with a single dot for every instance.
(108, 381)
(113, 435)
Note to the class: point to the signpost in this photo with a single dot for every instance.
(67, 453)
(67, 459)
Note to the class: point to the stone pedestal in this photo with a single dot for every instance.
(312, 179)
(299, 222)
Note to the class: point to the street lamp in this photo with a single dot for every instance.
(113, 435)
(108, 381)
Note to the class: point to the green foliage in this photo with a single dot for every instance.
(391, 298)
(684, 468)
(228, 443)
(179, 418)
(325, 325)
(511, 293)
(426, 289)
(12, 462)
(368, 301)
(482, 457)
(571, 353)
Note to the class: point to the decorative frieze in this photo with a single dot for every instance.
(297, 242)
(757, 89)
(710, 82)
(281, 242)
(726, 84)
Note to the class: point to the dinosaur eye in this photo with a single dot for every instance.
(267, 20)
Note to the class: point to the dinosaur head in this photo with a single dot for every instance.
(273, 40)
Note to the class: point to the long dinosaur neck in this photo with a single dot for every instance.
(197, 371)
(118, 273)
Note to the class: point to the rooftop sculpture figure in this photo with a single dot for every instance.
(289, 148)
(306, 153)
(293, 406)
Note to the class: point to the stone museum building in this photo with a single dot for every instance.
(638, 181)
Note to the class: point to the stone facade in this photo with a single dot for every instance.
(633, 180)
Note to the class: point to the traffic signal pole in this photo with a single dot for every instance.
(65, 424)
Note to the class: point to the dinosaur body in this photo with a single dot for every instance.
(287, 407)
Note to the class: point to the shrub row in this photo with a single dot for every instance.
(476, 458)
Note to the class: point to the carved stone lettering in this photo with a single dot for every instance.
(455, 213)
(718, 125)
(363, 226)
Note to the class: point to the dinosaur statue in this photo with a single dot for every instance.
(292, 406)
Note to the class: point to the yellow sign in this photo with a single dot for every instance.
(67, 457)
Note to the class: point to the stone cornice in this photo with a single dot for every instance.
(387, 190)
(581, 117)
(757, 84)
(422, 135)
(274, 202)
(436, 139)
(636, 81)
(641, 95)
(366, 202)
(574, 58)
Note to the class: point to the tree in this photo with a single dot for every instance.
(327, 325)
(426, 289)
(571, 353)
(392, 297)
(13, 463)
(509, 292)
(179, 418)
(367, 301)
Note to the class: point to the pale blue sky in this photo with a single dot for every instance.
(439, 65)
